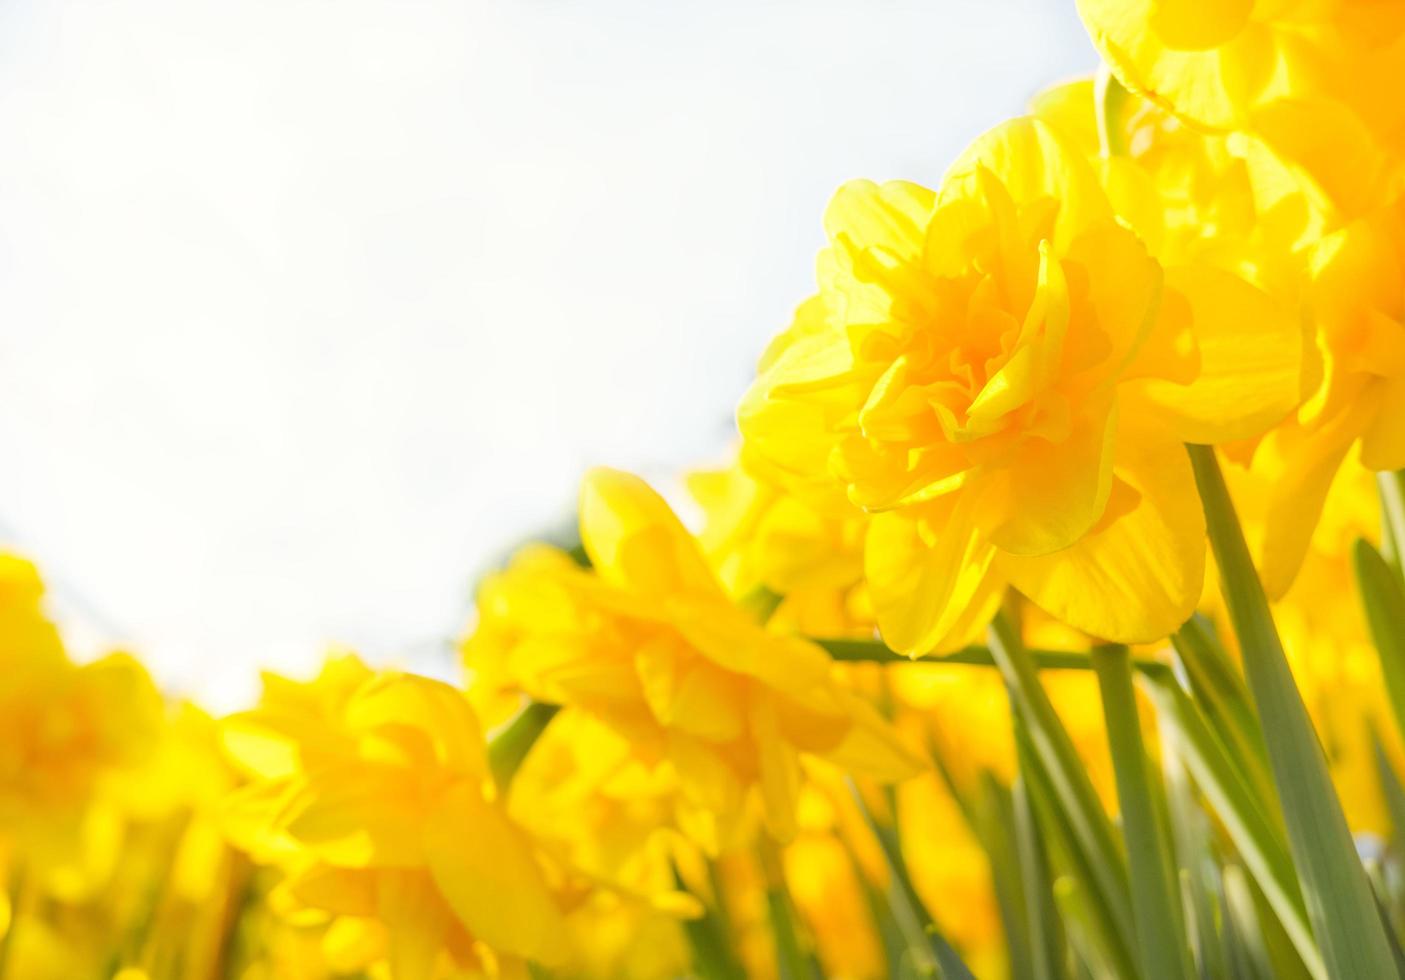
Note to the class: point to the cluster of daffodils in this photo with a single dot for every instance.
(936, 677)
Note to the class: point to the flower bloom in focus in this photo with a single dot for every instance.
(1318, 81)
(649, 642)
(1001, 376)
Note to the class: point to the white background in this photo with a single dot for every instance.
(308, 310)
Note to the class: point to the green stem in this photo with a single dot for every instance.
(1161, 942)
(1391, 484)
(511, 745)
(791, 961)
(1217, 687)
(1068, 776)
(1383, 598)
(874, 651)
(924, 938)
(1039, 909)
(1338, 894)
(1240, 809)
(1110, 96)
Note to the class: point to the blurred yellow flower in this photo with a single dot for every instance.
(66, 730)
(650, 643)
(1356, 293)
(758, 537)
(1316, 80)
(992, 373)
(373, 789)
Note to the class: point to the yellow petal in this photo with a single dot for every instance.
(1383, 442)
(636, 542)
(341, 891)
(484, 868)
(893, 216)
(872, 747)
(779, 768)
(1137, 577)
(416, 923)
(356, 814)
(1053, 492)
(704, 773)
(1297, 494)
(1033, 162)
(439, 714)
(687, 692)
(1250, 360)
(922, 583)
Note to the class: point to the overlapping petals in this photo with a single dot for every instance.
(650, 643)
(985, 368)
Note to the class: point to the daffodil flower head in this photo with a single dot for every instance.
(66, 730)
(372, 789)
(1000, 374)
(760, 539)
(650, 643)
(1316, 80)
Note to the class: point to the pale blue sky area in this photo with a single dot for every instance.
(309, 309)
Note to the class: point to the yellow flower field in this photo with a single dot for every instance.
(1048, 621)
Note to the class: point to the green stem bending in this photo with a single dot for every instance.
(1391, 484)
(1334, 883)
(1161, 943)
(511, 745)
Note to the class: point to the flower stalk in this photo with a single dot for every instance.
(1337, 892)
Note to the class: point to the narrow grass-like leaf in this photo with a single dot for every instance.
(709, 938)
(908, 909)
(1257, 839)
(1338, 896)
(1219, 691)
(1162, 947)
(989, 816)
(793, 962)
(1200, 865)
(1072, 791)
(1072, 901)
(1383, 596)
(890, 933)
(994, 814)
(1041, 916)
(1091, 928)
(1391, 790)
(1249, 954)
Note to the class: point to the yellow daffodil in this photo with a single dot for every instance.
(65, 729)
(1316, 80)
(1357, 295)
(649, 642)
(583, 792)
(1192, 196)
(1227, 201)
(1001, 375)
(758, 538)
(373, 789)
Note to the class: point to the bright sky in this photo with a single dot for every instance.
(309, 309)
